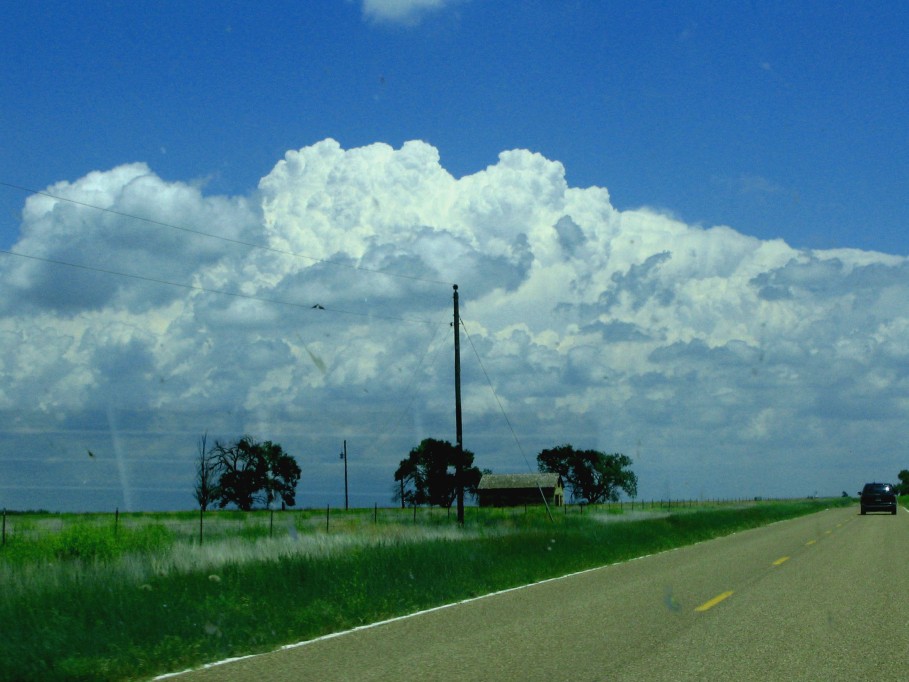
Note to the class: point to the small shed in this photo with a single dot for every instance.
(515, 490)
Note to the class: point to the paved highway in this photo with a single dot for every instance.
(822, 597)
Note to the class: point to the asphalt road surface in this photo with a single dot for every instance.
(822, 597)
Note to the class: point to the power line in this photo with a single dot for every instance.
(221, 292)
(382, 437)
(495, 395)
(228, 240)
(504, 414)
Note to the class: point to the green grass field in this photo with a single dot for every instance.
(91, 597)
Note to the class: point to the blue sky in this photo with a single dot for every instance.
(778, 119)
(679, 232)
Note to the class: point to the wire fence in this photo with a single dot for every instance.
(199, 526)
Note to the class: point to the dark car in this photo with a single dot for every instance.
(878, 497)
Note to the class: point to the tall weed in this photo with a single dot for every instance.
(138, 602)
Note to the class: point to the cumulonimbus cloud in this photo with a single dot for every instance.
(700, 351)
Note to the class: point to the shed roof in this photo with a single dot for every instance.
(502, 481)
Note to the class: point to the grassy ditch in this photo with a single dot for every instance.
(79, 605)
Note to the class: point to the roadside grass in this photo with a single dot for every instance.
(91, 602)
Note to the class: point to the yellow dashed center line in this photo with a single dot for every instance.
(713, 602)
(707, 605)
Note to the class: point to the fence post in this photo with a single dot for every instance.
(116, 521)
(327, 515)
(375, 513)
(4, 525)
(271, 522)
(201, 513)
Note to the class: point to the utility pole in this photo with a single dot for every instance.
(344, 457)
(459, 467)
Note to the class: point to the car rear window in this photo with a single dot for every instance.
(877, 488)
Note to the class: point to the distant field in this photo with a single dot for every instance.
(128, 596)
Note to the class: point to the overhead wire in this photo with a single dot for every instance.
(502, 410)
(221, 292)
(438, 325)
(235, 294)
(229, 240)
(222, 238)
(389, 432)
(251, 245)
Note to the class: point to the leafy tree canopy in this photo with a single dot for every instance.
(590, 475)
(428, 475)
(251, 473)
(903, 486)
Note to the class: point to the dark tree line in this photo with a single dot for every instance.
(590, 476)
(903, 486)
(245, 473)
(428, 476)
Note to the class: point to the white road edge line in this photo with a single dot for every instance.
(380, 623)
(369, 626)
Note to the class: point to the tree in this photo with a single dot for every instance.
(206, 490)
(253, 472)
(429, 474)
(282, 474)
(590, 475)
(903, 486)
(241, 477)
(410, 484)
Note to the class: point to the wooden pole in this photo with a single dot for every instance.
(459, 466)
(344, 456)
